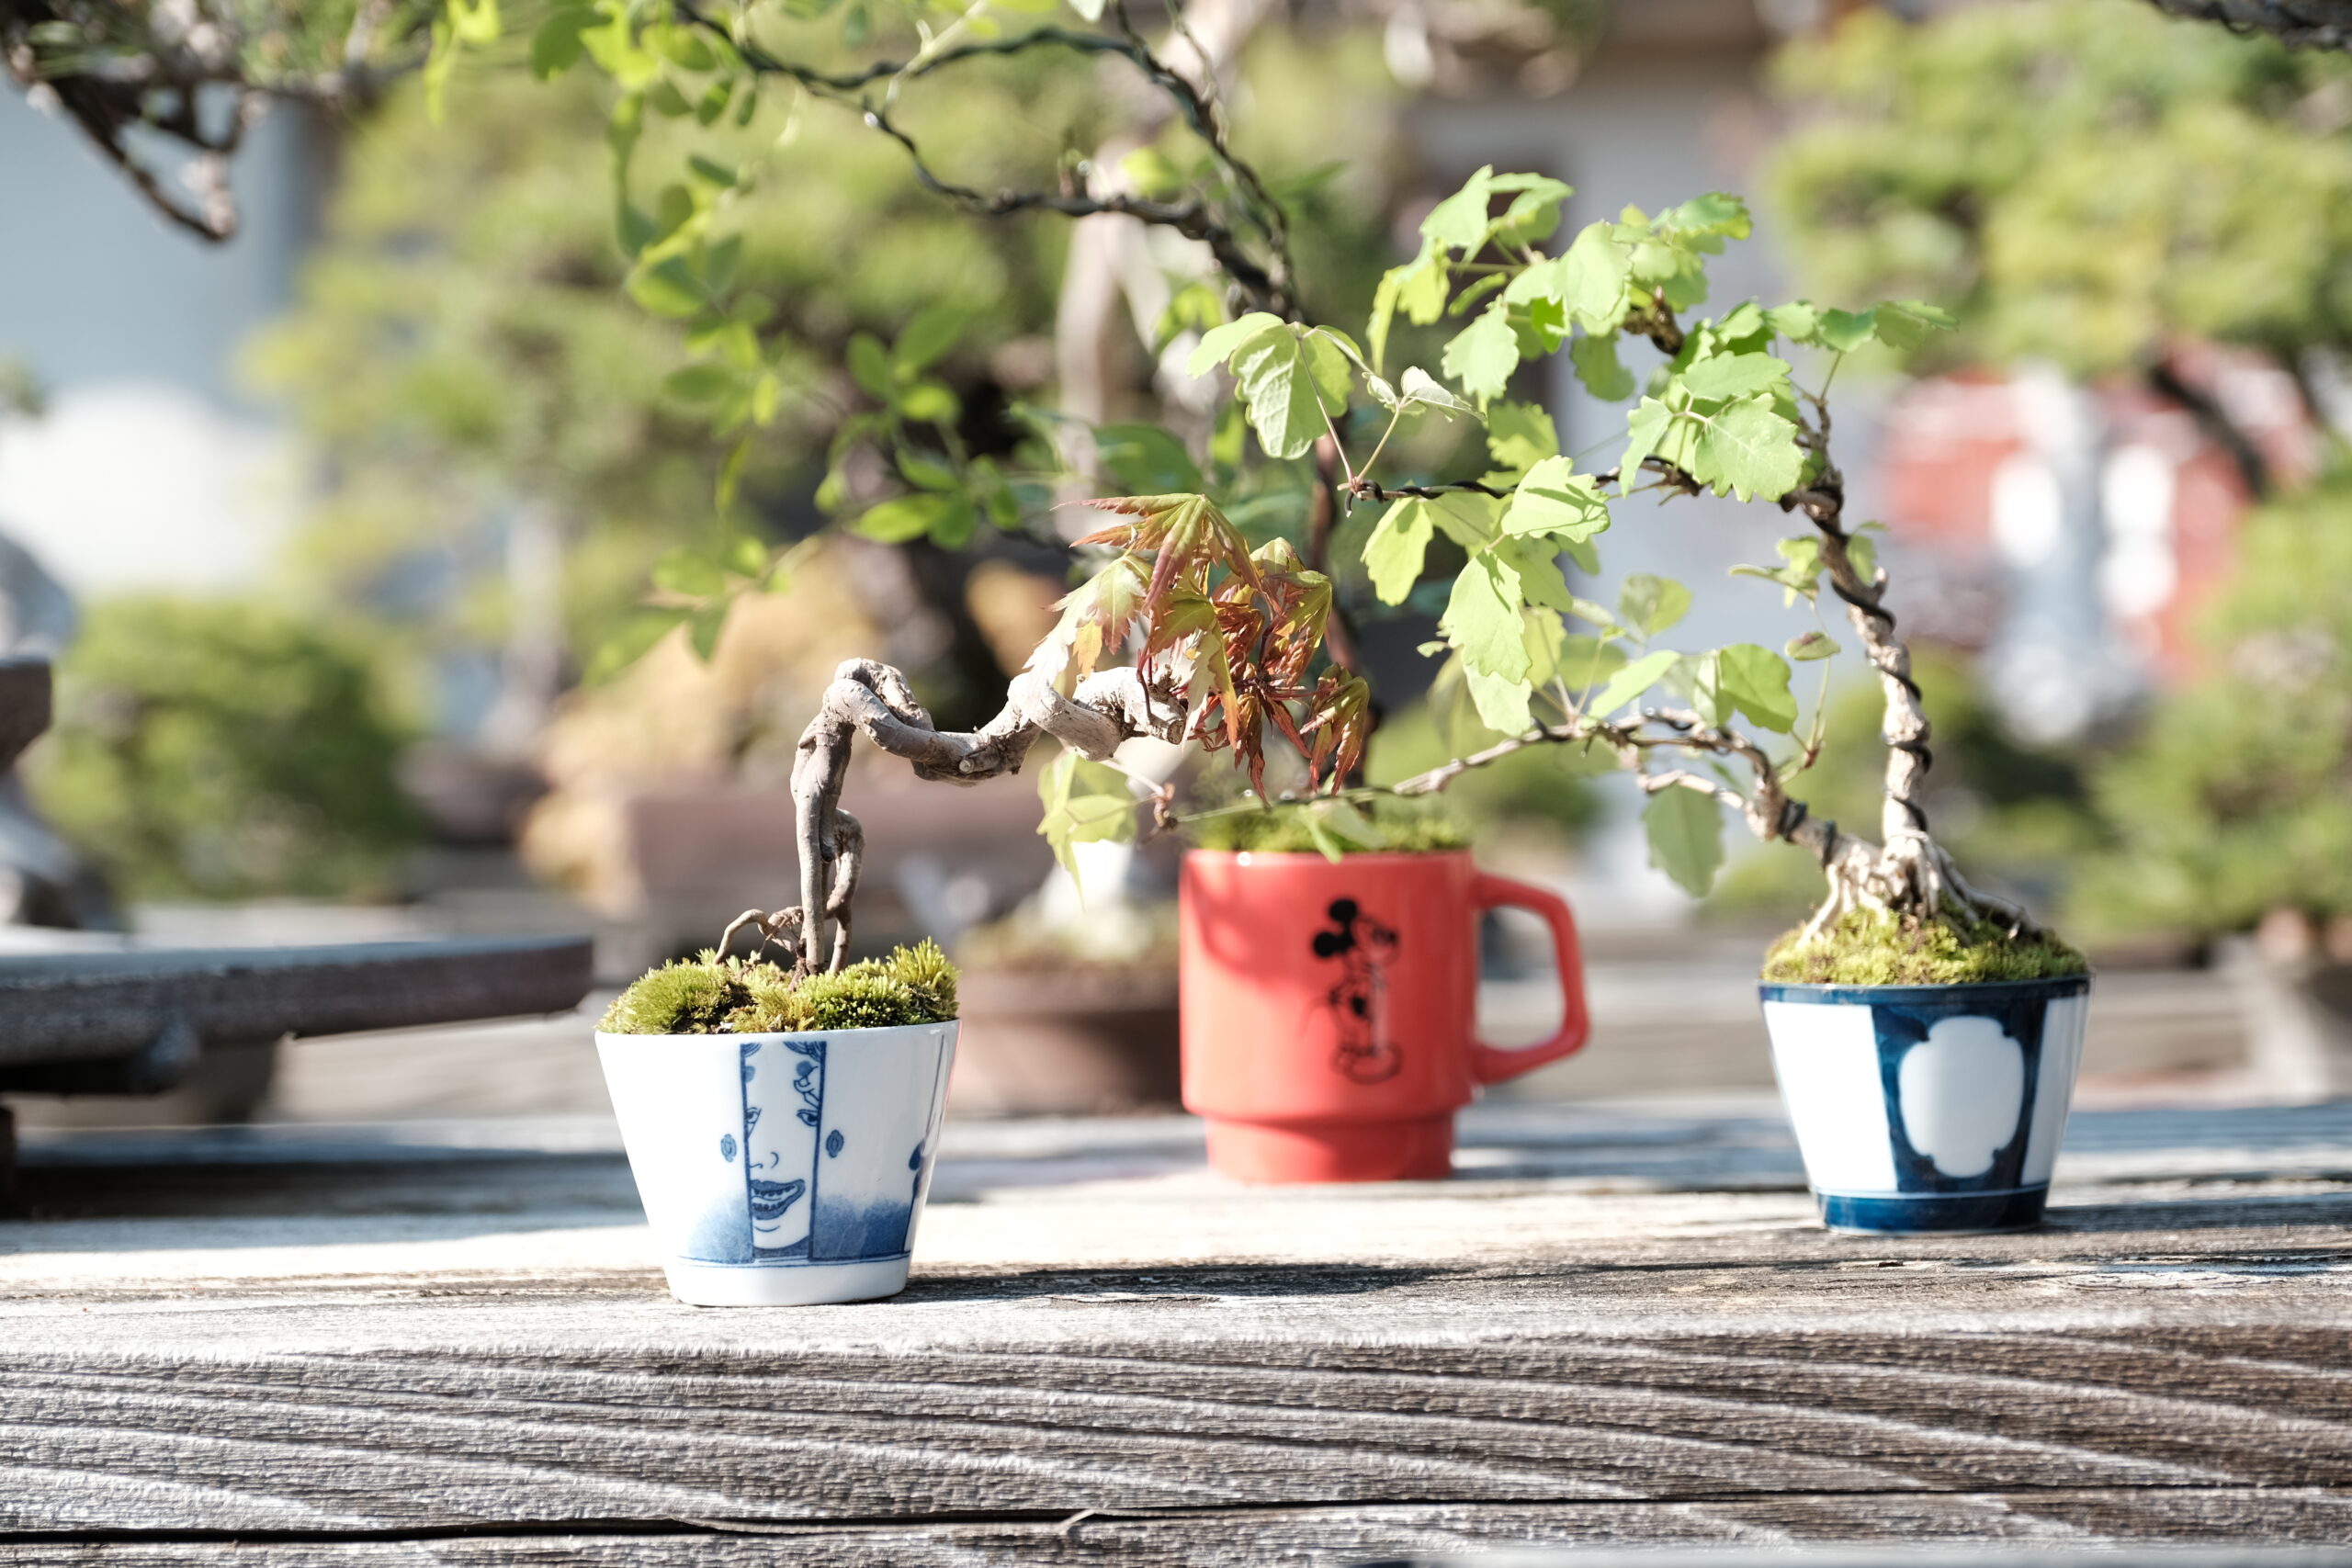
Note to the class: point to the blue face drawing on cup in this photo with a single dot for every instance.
(784, 1098)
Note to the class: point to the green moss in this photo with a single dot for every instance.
(1381, 824)
(1876, 948)
(710, 995)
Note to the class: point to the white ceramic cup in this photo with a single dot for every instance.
(782, 1170)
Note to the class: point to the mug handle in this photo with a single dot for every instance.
(1492, 1064)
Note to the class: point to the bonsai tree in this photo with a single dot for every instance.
(1193, 627)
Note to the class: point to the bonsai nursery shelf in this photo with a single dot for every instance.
(131, 1020)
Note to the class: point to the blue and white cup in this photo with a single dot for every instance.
(782, 1170)
(1929, 1108)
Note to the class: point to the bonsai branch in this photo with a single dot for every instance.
(1267, 285)
(873, 699)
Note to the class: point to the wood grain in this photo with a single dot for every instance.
(381, 1354)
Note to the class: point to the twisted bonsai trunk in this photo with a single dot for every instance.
(1106, 710)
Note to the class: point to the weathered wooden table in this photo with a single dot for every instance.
(444, 1343)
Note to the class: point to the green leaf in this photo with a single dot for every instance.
(1536, 558)
(1145, 459)
(1466, 516)
(1218, 344)
(1290, 381)
(908, 517)
(1418, 387)
(701, 383)
(1644, 428)
(1417, 288)
(556, 47)
(1686, 834)
(1842, 332)
(1481, 617)
(1748, 450)
(1597, 367)
(869, 365)
(1083, 802)
(931, 334)
(1501, 701)
(1483, 356)
(1651, 604)
(1519, 436)
(1592, 279)
(668, 288)
(1798, 322)
(929, 402)
(1906, 323)
(1744, 679)
(1556, 500)
(1735, 376)
(928, 473)
(1399, 541)
(1459, 222)
(630, 641)
(1807, 646)
(1631, 681)
(1864, 555)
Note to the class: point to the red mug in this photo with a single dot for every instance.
(1328, 1008)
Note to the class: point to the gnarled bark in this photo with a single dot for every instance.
(873, 699)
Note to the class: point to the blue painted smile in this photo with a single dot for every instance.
(771, 1198)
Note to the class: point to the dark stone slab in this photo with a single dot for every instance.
(157, 1008)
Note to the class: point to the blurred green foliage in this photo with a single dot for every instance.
(2238, 799)
(2017, 816)
(225, 750)
(462, 342)
(2082, 177)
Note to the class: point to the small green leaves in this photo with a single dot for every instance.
(1799, 571)
(1598, 367)
(1807, 646)
(1735, 376)
(1084, 802)
(1651, 604)
(1291, 377)
(948, 519)
(1748, 450)
(1399, 540)
(1644, 428)
(1518, 436)
(1419, 389)
(1631, 681)
(1481, 618)
(1744, 679)
(1144, 460)
(1483, 356)
(1553, 501)
(1592, 278)
(1686, 835)
(1218, 344)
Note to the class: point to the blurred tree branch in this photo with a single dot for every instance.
(198, 76)
(2300, 24)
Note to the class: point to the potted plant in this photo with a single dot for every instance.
(1926, 1030)
(781, 1123)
